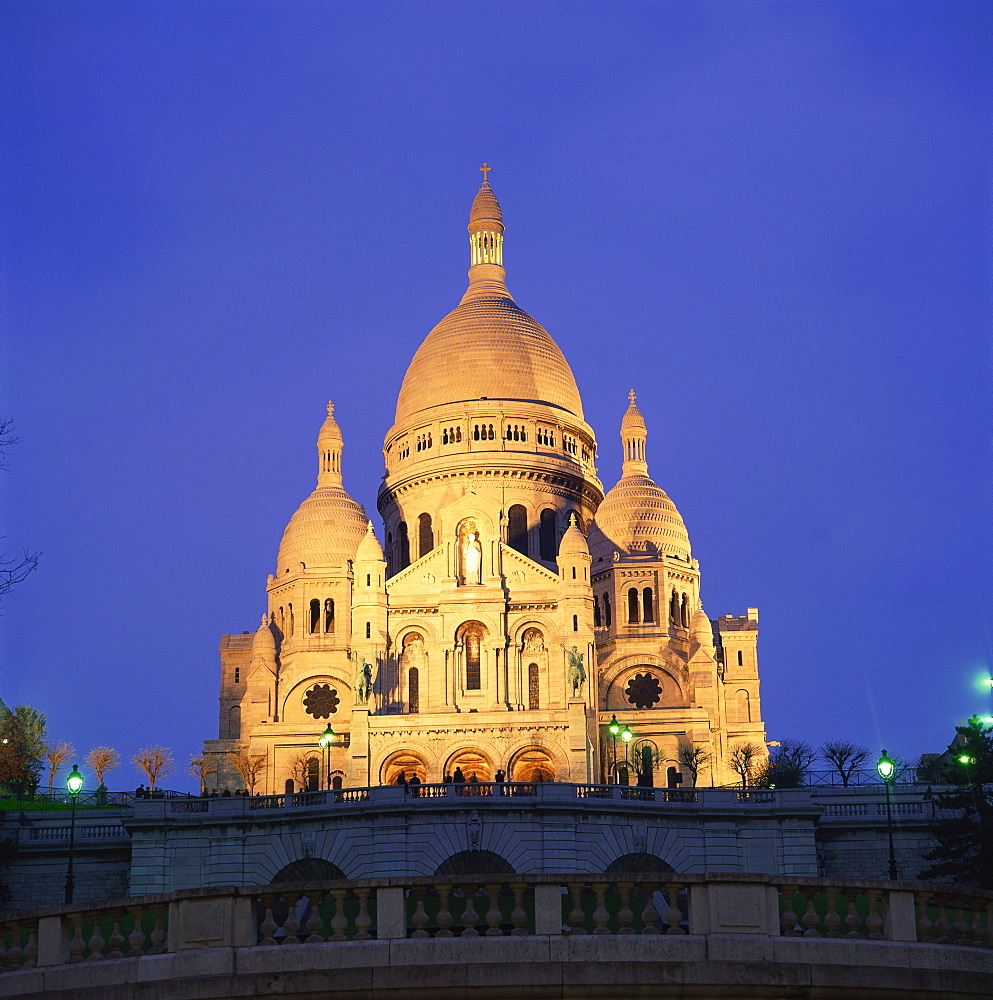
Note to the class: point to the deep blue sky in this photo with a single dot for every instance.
(771, 219)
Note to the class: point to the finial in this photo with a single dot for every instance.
(265, 620)
(330, 408)
(631, 396)
(485, 170)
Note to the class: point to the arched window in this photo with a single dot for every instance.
(534, 699)
(289, 609)
(329, 615)
(674, 608)
(368, 630)
(444, 436)
(596, 611)
(517, 528)
(648, 605)
(336, 781)
(633, 603)
(234, 723)
(403, 546)
(742, 707)
(684, 612)
(458, 433)
(413, 691)
(740, 659)
(237, 674)
(606, 610)
(315, 617)
(475, 432)
(282, 622)
(575, 623)
(574, 572)
(472, 638)
(546, 535)
(313, 774)
(425, 537)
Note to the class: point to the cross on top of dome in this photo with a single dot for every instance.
(485, 171)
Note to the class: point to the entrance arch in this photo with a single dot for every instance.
(532, 764)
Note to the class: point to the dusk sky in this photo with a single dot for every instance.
(772, 220)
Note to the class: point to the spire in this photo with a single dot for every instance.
(486, 273)
(633, 434)
(329, 445)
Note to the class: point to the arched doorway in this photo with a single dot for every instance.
(533, 765)
(475, 863)
(406, 761)
(472, 764)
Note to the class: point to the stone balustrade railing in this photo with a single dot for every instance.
(493, 906)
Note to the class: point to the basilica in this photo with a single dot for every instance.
(512, 621)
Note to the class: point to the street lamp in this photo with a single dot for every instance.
(614, 727)
(887, 771)
(74, 783)
(627, 736)
(327, 738)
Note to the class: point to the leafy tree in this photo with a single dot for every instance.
(156, 762)
(787, 765)
(102, 760)
(249, 766)
(56, 755)
(202, 767)
(744, 759)
(692, 756)
(963, 850)
(13, 569)
(22, 747)
(844, 757)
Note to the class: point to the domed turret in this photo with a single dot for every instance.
(264, 642)
(636, 517)
(369, 548)
(701, 629)
(328, 526)
(573, 543)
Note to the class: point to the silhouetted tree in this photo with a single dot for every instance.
(844, 757)
(745, 759)
(963, 851)
(156, 762)
(692, 756)
(787, 765)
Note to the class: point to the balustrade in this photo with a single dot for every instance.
(340, 912)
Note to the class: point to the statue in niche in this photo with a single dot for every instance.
(577, 672)
(413, 654)
(362, 685)
(470, 553)
(534, 641)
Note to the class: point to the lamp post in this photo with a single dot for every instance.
(627, 736)
(327, 738)
(887, 771)
(614, 727)
(74, 783)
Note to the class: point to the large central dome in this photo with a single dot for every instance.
(488, 347)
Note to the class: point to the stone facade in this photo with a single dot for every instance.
(514, 609)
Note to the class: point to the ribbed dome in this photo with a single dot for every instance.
(487, 348)
(485, 213)
(573, 543)
(325, 531)
(637, 518)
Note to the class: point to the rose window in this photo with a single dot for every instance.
(643, 690)
(321, 701)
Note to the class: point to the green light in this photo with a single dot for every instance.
(614, 726)
(964, 758)
(885, 767)
(75, 780)
(626, 734)
(327, 737)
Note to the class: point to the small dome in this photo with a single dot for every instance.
(636, 518)
(369, 548)
(330, 431)
(573, 543)
(264, 642)
(632, 421)
(701, 629)
(325, 531)
(485, 214)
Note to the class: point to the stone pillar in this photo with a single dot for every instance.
(358, 771)
(579, 758)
